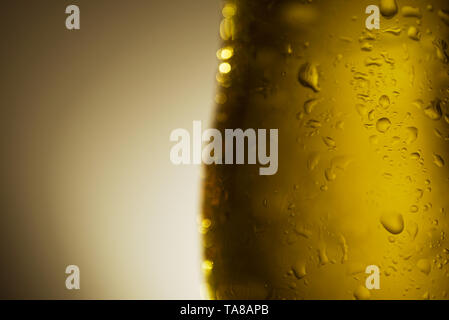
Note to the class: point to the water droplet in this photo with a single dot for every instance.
(418, 104)
(414, 209)
(328, 141)
(313, 161)
(415, 156)
(344, 248)
(411, 135)
(412, 229)
(314, 124)
(383, 124)
(419, 193)
(438, 160)
(322, 255)
(340, 124)
(341, 162)
(225, 53)
(374, 140)
(362, 293)
(299, 269)
(388, 8)
(302, 231)
(413, 33)
(433, 111)
(224, 67)
(207, 266)
(227, 29)
(424, 266)
(387, 175)
(410, 12)
(229, 10)
(309, 105)
(206, 223)
(362, 109)
(366, 46)
(441, 50)
(395, 31)
(330, 174)
(384, 101)
(221, 98)
(393, 222)
(444, 15)
(308, 76)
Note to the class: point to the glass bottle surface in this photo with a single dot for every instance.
(363, 176)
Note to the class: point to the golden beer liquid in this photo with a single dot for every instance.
(363, 177)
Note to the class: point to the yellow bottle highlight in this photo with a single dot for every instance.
(363, 178)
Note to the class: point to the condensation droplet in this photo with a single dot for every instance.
(221, 98)
(383, 124)
(341, 162)
(227, 29)
(395, 31)
(444, 15)
(330, 174)
(412, 229)
(438, 160)
(302, 231)
(309, 105)
(328, 141)
(411, 135)
(207, 266)
(424, 266)
(419, 193)
(313, 161)
(374, 140)
(225, 53)
(299, 269)
(314, 124)
(388, 8)
(362, 109)
(372, 61)
(362, 293)
(229, 10)
(393, 222)
(410, 12)
(441, 50)
(322, 255)
(415, 156)
(308, 76)
(413, 33)
(384, 101)
(366, 46)
(433, 111)
(344, 248)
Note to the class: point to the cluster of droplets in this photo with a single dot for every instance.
(390, 129)
(394, 132)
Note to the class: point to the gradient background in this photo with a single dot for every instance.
(86, 177)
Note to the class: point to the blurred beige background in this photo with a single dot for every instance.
(86, 177)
